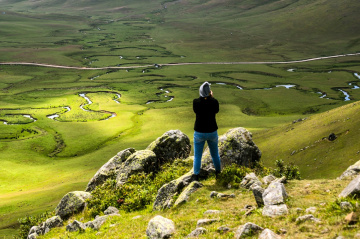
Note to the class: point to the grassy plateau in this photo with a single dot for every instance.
(58, 126)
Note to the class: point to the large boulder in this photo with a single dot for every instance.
(171, 145)
(109, 169)
(160, 227)
(235, 147)
(141, 161)
(72, 202)
(352, 189)
(164, 197)
(351, 172)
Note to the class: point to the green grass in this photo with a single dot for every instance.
(96, 34)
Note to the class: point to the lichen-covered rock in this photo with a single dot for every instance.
(275, 210)
(109, 168)
(204, 222)
(36, 230)
(111, 210)
(52, 222)
(249, 180)
(268, 234)
(247, 229)
(352, 189)
(143, 161)
(75, 226)
(98, 222)
(160, 227)
(171, 145)
(212, 212)
(268, 179)
(308, 217)
(235, 147)
(274, 194)
(197, 232)
(166, 192)
(351, 172)
(258, 194)
(71, 203)
(185, 195)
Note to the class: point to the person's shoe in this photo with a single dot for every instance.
(217, 174)
(196, 177)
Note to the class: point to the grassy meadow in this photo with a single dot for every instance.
(52, 140)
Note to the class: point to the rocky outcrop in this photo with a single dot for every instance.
(171, 145)
(247, 229)
(185, 195)
(45, 227)
(109, 169)
(352, 189)
(164, 197)
(351, 172)
(143, 161)
(160, 227)
(235, 147)
(71, 203)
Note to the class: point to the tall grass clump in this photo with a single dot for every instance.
(139, 191)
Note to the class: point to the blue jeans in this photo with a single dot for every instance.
(199, 142)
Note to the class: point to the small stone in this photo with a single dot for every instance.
(136, 217)
(247, 230)
(197, 232)
(299, 210)
(204, 222)
(212, 212)
(305, 218)
(223, 229)
(111, 210)
(282, 231)
(311, 210)
(325, 231)
(213, 194)
(268, 234)
(352, 218)
(346, 206)
(75, 226)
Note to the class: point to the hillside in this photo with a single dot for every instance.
(306, 143)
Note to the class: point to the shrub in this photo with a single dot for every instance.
(26, 223)
(232, 175)
(139, 191)
(289, 171)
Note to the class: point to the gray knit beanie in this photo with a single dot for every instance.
(204, 89)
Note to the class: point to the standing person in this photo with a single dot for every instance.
(205, 108)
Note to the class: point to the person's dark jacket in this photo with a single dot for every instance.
(205, 110)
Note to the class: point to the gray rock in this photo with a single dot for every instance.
(111, 210)
(197, 232)
(235, 147)
(346, 206)
(212, 212)
(185, 195)
(352, 189)
(71, 203)
(247, 230)
(160, 227)
(311, 210)
(75, 226)
(166, 193)
(204, 222)
(140, 161)
(213, 194)
(99, 221)
(33, 236)
(109, 169)
(223, 229)
(52, 222)
(268, 179)
(268, 234)
(275, 210)
(308, 217)
(36, 230)
(274, 194)
(351, 172)
(258, 194)
(249, 180)
(171, 145)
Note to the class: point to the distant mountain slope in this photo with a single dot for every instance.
(306, 143)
